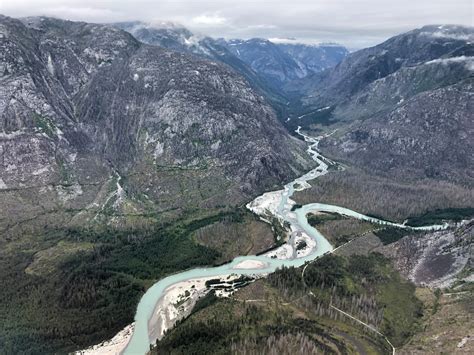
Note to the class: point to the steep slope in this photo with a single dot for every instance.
(81, 100)
(265, 65)
(178, 38)
(403, 108)
(427, 136)
(315, 58)
(265, 58)
(397, 57)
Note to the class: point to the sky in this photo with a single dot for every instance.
(353, 23)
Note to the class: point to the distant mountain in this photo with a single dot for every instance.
(315, 58)
(281, 62)
(276, 62)
(178, 38)
(265, 65)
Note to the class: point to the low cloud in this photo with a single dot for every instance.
(209, 20)
(354, 23)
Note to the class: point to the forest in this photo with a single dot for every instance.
(58, 300)
(278, 313)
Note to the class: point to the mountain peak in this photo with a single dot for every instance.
(455, 32)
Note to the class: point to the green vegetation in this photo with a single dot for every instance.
(316, 219)
(278, 314)
(234, 236)
(310, 117)
(365, 286)
(440, 216)
(296, 206)
(392, 234)
(204, 302)
(384, 197)
(45, 125)
(67, 289)
(339, 229)
(280, 231)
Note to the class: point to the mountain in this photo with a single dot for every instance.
(398, 61)
(173, 36)
(112, 153)
(315, 58)
(80, 101)
(284, 62)
(403, 107)
(276, 62)
(426, 136)
(179, 38)
(265, 65)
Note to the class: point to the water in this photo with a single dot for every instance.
(281, 208)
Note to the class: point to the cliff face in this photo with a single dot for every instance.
(86, 109)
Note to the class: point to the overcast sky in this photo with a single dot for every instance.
(354, 23)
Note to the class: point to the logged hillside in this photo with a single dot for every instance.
(291, 314)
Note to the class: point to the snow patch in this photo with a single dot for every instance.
(215, 146)
(3, 186)
(159, 150)
(50, 65)
(469, 60)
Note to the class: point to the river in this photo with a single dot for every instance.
(272, 204)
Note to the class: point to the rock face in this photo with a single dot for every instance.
(404, 107)
(87, 109)
(178, 38)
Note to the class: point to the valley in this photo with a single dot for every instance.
(165, 191)
(273, 204)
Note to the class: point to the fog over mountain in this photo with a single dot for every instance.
(355, 24)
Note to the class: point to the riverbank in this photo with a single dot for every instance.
(113, 346)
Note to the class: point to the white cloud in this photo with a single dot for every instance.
(355, 23)
(210, 20)
(80, 13)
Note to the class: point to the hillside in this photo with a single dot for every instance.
(402, 109)
(113, 153)
(83, 104)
